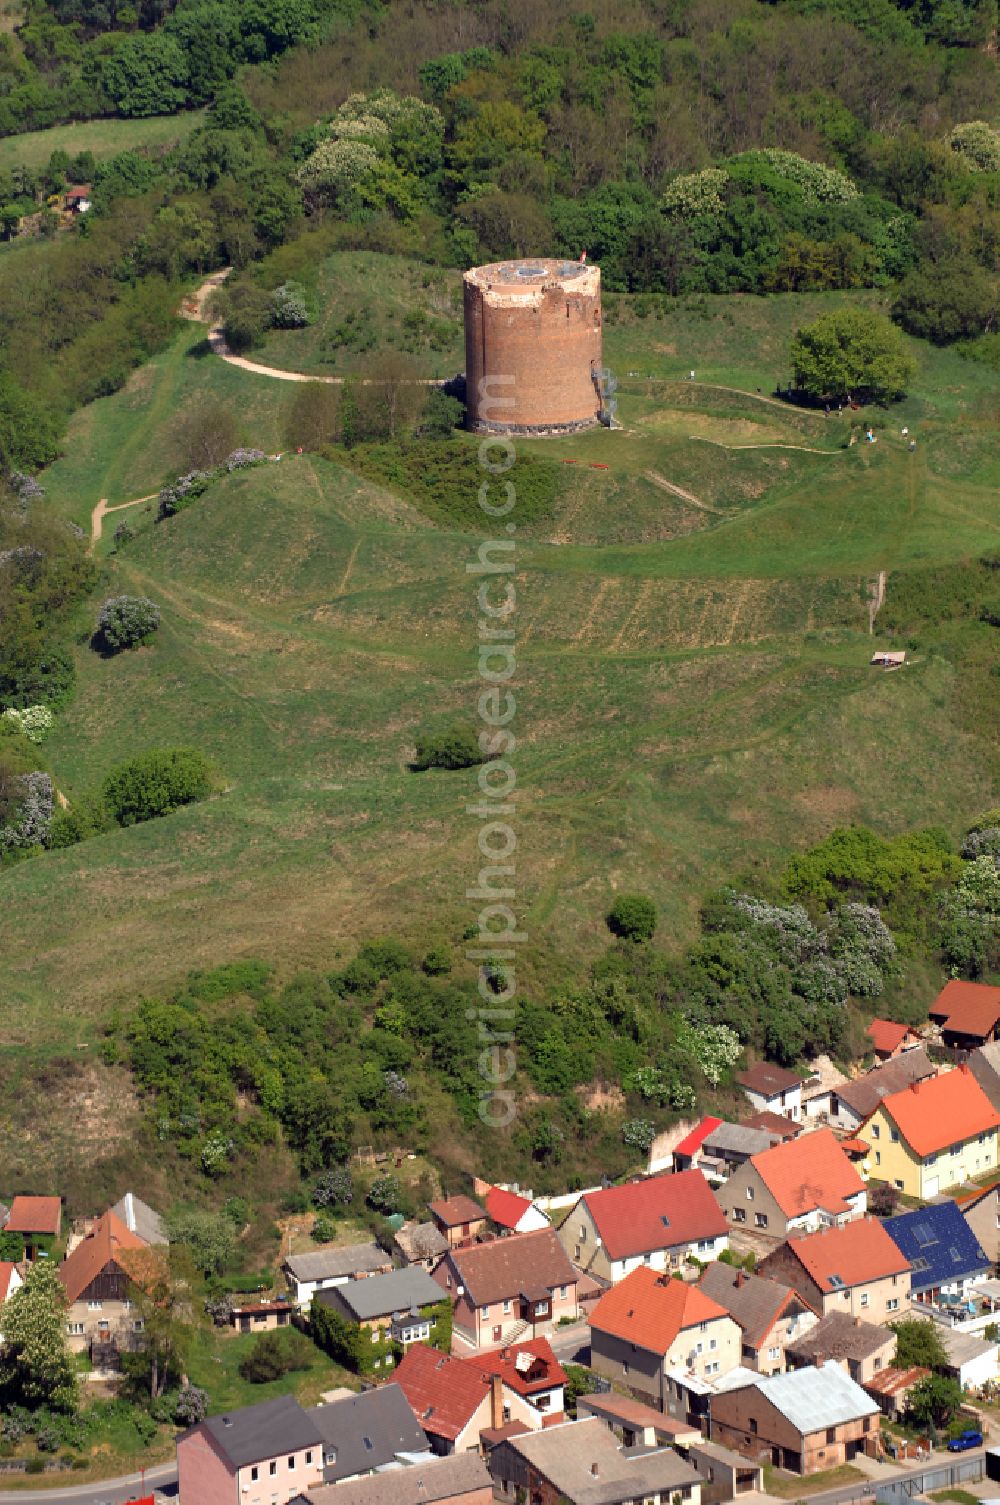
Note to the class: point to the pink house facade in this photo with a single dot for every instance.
(262, 1455)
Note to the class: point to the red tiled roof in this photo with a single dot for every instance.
(942, 1111)
(808, 1172)
(105, 1243)
(773, 1123)
(887, 1036)
(650, 1309)
(505, 1207)
(543, 1373)
(444, 1392)
(849, 1256)
(767, 1080)
(456, 1211)
(968, 1008)
(697, 1136)
(7, 1268)
(34, 1215)
(657, 1213)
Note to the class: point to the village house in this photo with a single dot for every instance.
(362, 1434)
(509, 1288)
(804, 1420)
(943, 1252)
(460, 1401)
(732, 1145)
(650, 1324)
(660, 1222)
(798, 1185)
(848, 1106)
(687, 1152)
(139, 1218)
(460, 1220)
(636, 1424)
(38, 1220)
(972, 1359)
(260, 1316)
(420, 1244)
(891, 1388)
(508, 1210)
(981, 1211)
(769, 1315)
(967, 1013)
(399, 1307)
(324, 1268)
(583, 1463)
(933, 1135)
(771, 1123)
(889, 1039)
(856, 1270)
(772, 1089)
(860, 1348)
(99, 1279)
(984, 1064)
(260, 1455)
(462, 1479)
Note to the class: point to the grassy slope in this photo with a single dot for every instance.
(102, 137)
(693, 688)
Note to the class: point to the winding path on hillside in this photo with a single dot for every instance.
(101, 511)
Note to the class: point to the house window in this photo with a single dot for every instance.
(892, 1305)
(75, 1329)
(578, 1253)
(375, 1335)
(94, 1306)
(866, 1424)
(875, 1131)
(309, 1456)
(506, 1415)
(864, 1298)
(272, 1467)
(760, 1219)
(898, 1185)
(712, 1344)
(774, 1353)
(699, 1348)
(138, 1325)
(753, 1424)
(749, 1193)
(894, 1135)
(506, 1307)
(291, 1461)
(878, 1157)
(563, 1292)
(583, 1233)
(739, 1216)
(254, 1472)
(104, 1325)
(831, 1434)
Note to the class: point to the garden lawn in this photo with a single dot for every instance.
(214, 1367)
(798, 1486)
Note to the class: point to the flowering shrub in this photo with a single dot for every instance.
(288, 307)
(216, 1153)
(817, 182)
(191, 1406)
(31, 829)
(127, 621)
(694, 194)
(978, 145)
(982, 843)
(180, 492)
(242, 459)
(715, 1047)
(25, 487)
(380, 152)
(638, 1132)
(34, 722)
(335, 1188)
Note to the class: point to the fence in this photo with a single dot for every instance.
(941, 1476)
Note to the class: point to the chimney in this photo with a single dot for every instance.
(496, 1401)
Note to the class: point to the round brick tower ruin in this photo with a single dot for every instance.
(533, 347)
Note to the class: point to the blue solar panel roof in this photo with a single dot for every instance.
(939, 1244)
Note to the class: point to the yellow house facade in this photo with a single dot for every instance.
(933, 1135)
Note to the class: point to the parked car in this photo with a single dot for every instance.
(964, 1441)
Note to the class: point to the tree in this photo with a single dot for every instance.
(934, 1401)
(35, 1365)
(147, 74)
(191, 1406)
(389, 399)
(312, 416)
(210, 1241)
(851, 353)
(951, 299)
(455, 748)
(335, 1188)
(918, 1344)
(632, 917)
(273, 1355)
(127, 621)
(156, 783)
(162, 1290)
(205, 435)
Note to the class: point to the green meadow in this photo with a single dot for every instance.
(693, 684)
(104, 138)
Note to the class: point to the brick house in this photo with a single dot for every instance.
(261, 1455)
(389, 1311)
(459, 1219)
(849, 1104)
(98, 1278)
(508, 1210)
(261, 1316)
(861, 1349)
(37, 1219)
(772, 1089)
(322, 1269)
(649, 1324)
(509, 1288)
(658, 1222)
(857, 1270)
(583, 1463)
(888, 1039)
(801, 1184)
(968, 1014)
(770, 1315)
(933, 1135)
(804, 1420)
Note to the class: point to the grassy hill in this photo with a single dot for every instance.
(693, 683)
(102, 137)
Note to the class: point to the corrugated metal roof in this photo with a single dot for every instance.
(813, 1399)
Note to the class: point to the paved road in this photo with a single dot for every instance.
(162, 1479)
(867, 1487)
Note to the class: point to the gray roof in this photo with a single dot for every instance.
(139, 1218)
(865, 1093)
(841, 1336)
(419, 1484)
(984, 1064)
(327, 1264)
(382, 1295)
(961, 1347)
(366, 1431)
(726, 1456)
(564, 1455)
(740, 1139)
(814, 1399)
(421, 1241)
(751, 1300)
(265, 1431)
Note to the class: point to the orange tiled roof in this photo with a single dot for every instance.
(887, 1036)
(650, 1309)
(107, 1240)
(849, 1256)
(808, 1172)
(942, 1111)
(34, 1215)
(968, 1008)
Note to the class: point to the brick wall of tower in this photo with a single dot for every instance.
(548, 338)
